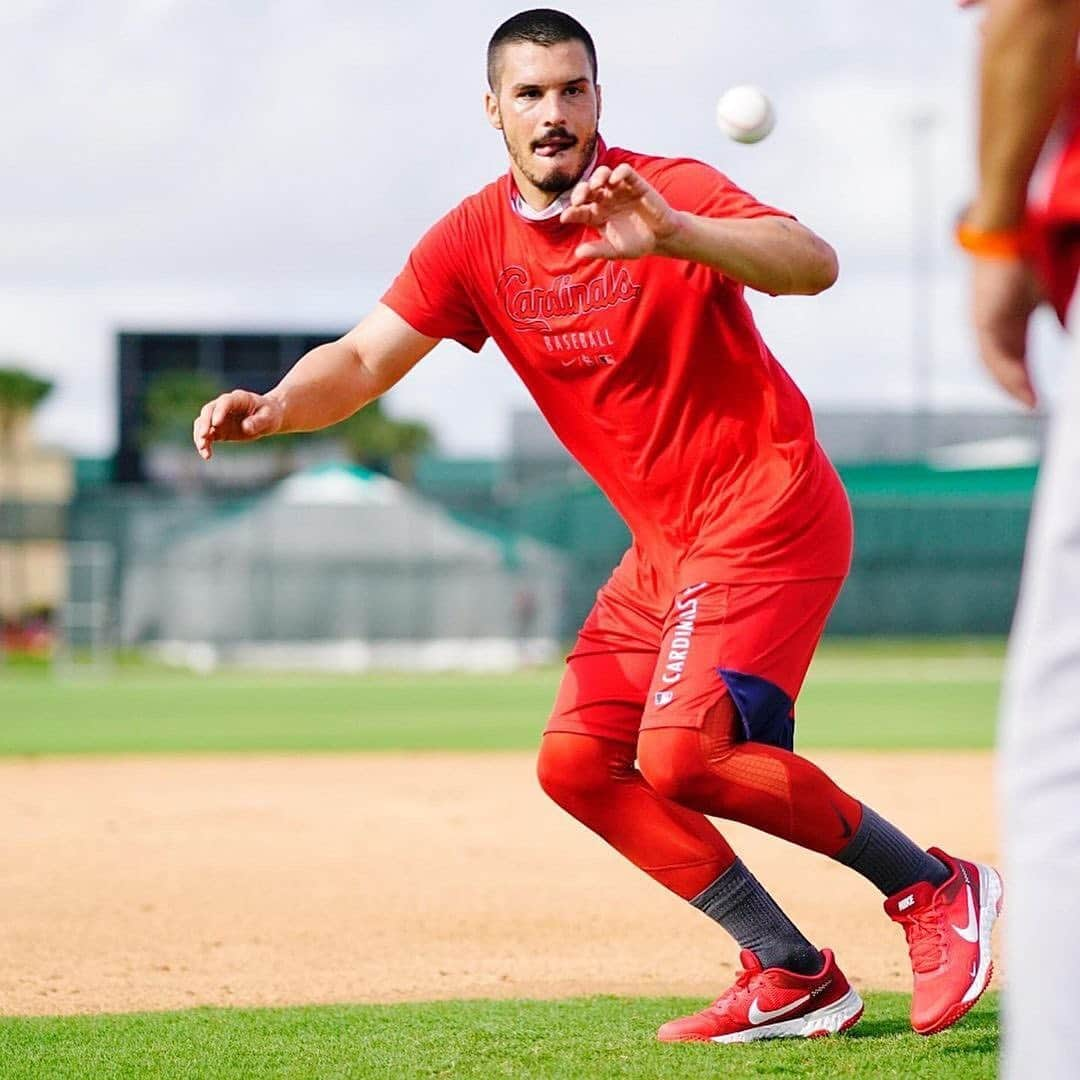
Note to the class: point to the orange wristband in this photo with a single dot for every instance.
(991, 243)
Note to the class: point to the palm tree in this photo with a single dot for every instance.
(173, 400)
(379, 442)
(20, 394)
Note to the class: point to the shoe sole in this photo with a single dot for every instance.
(831, 1020)
(991, 898)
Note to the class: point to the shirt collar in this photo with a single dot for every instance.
(523, 209)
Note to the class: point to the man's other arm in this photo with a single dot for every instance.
(1027, 64)
(325, 386)
(773, 254)
(1028, 58)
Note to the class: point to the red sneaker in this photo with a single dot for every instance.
(948, 935)
(771, 1003)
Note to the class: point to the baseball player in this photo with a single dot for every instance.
(613, 283)
(1023, 231)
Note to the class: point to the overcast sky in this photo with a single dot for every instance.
(267, 165)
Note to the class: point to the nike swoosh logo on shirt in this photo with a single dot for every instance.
(971, 931)
(758, 1016)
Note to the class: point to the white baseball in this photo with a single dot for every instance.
(745, 114)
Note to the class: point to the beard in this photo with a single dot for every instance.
(559, 179)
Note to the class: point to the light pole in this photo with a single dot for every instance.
(922, 121)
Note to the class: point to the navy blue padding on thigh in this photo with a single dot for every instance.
(766, 712)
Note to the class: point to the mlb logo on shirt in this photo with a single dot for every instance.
(663, 697)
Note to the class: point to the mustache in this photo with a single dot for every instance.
(554, 133)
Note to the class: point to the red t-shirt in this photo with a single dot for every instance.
(1054, 211)
(652, 374)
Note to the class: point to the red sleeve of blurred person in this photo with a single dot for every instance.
(1054, 209)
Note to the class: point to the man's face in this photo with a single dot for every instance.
(547, 107)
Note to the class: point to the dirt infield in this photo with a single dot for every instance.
(168, 882)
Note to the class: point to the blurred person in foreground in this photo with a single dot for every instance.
(1023, 231)
(613, 283)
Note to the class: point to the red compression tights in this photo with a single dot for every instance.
(654, 814)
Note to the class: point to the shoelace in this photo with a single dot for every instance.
(926, 940)
(727, 998)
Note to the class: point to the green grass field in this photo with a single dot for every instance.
(581, 1039)
(886, 695)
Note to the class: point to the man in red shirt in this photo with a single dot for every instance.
(613, 282)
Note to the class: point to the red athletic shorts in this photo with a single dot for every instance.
(649, 661)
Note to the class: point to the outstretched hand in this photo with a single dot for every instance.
(629, 214)
(238, 416)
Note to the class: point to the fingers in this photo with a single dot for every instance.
(590, 190)
(606, 185)
(223, 418)
(1010, 373)
(259, 422)
(624, 176)
(601, 175)
(585, 191)
(1004, 357)
(234, 401)
(621, 206)
(202, 431)
(621, 177)
(590, 214)
(1004, 294)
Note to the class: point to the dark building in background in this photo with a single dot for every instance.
(253, 361)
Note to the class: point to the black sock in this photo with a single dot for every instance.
(740, 904)
(884, 855)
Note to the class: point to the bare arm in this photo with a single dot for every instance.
(1028, 61)
(325, 386)
(773, 254)
(1028, 58)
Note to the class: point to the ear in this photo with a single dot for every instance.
(599, 102)
(491, 110)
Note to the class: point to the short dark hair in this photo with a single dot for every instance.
(541, 26)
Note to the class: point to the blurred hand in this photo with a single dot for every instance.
(1004, 293)
(239, 416)
(630, 215)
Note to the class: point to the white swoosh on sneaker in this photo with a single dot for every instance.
(971, 931)
(757, 1016)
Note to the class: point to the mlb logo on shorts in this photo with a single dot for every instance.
(663, 697)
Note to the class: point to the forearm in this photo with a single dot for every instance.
(772, 254)
(325, 386)
(1028, 60)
